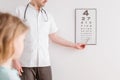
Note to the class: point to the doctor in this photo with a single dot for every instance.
(35, 63)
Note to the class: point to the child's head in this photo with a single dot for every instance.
(12, 34)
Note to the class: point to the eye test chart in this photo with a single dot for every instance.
(86, 25)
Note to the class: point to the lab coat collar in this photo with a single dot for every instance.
(34, 7)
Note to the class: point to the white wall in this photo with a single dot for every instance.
(98, 62)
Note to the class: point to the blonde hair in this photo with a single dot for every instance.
(10, 28)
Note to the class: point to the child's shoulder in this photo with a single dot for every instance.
(7, 74)
(3, 74)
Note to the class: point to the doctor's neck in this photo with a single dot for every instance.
(36, 5)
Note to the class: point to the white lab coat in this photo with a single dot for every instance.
(36, 53)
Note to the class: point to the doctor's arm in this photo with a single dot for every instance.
(59, 40)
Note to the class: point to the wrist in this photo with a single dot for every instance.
(74, 45)
(15, 60)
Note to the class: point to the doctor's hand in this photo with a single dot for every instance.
(79, 46)
(17, 66)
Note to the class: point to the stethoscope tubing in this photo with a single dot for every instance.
(42, 10)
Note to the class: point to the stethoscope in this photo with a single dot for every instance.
(42, 11)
